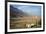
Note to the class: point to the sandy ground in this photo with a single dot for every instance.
(23, 22)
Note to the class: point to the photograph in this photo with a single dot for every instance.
(24, 16)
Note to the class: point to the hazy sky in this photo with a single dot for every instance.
(30, 9)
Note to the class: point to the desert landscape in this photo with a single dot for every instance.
(20, 19)
(25, 22)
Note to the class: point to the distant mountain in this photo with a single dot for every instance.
(14, 12)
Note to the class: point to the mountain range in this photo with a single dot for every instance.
(15, 12)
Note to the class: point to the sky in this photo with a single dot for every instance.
(30, 9)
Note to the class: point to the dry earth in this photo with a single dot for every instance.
(24, 22)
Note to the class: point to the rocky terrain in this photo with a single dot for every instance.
(19, 19)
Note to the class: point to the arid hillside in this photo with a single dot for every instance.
(25, 22)
(23, 19)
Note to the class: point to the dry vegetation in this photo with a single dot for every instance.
(25, 22)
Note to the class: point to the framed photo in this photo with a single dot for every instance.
(25, 17)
